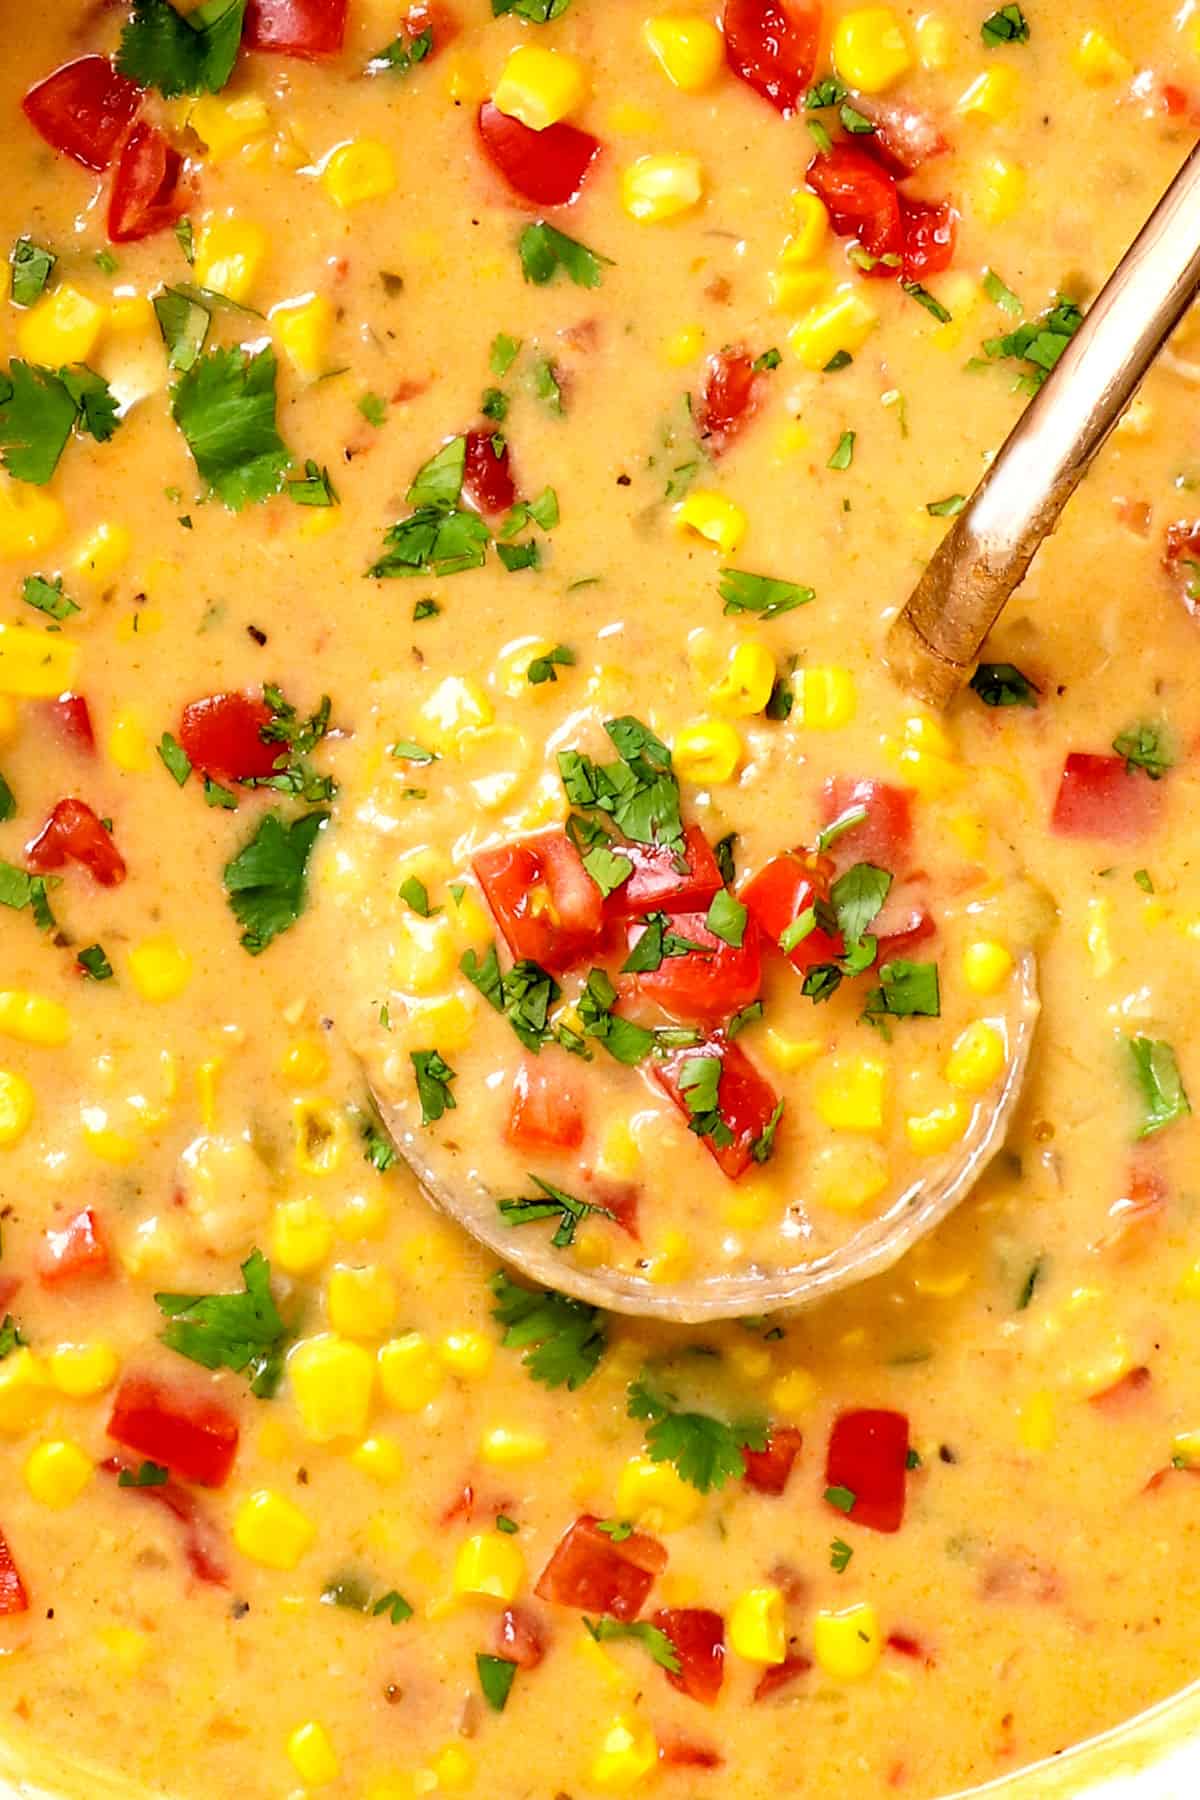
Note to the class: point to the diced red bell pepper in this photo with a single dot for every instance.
(547, 168)
(74, 833)
(191, 1433)
(72, 721)
(862, 200)
(698, 1637)
(295, 27)
(784, 888)
(1099, 798)
(201, 1540)
(772, 46)
(75, 1251)
(547, 1113)
(658, 885)
(543, 899)
(728, 399)
(904, 139)
(519, 1637)
(745, 1099)
(705, 986)
(150, 188)
(868, 1455)
(930, 231)
(84, 110)
(769, 1470)
(1118, 1398)
(781, 1675)
(13, 1597)
(884, 837)
(590, 1571)
(685, 1753)
(222, 736)
(487, 478)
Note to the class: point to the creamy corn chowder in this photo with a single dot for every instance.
(458, 465)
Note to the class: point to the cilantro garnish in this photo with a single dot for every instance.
(175, 758)
(47, 596)
(845, 821)
(840, 1553)
(948, 508)
(544, 251)
(225, 407)
(32, 267)
(999, 293)
(640, 793)
(1029, 1284)
(545, 385)
(503, 354)
(185, 237)
(265, 881)
(906, 990)
(439, 537)
(378, 1148)
(524, 994)
(298, 738)
(640, 1631)
(1142, 747)
(607, 868)
(434, 1076)
(149, 1474)
(402, 55)
(706, 1451)
(749, 1015)
(627, 1042)
(10, 1336)
(763, 1146)
(183, 324)
(700, 1085)
(857, 897)
(393, 1606)
(39, 409)
(406, 750)
(1144, 880)
(761, 594)
(95, 964)
(843, 455)
(373, 409)
(843, 1498)
(19, 889)
(618, 1531)
(1156, 1072)
(723, 851)
(415, 894)
(1006, 26)
(658, 941)
(924, 298)
(438, 482)
(726, 918)
(231, 1331)
(556, 1205)
(538, 12)
(315, 489)
(1002, 684)
(496, 1676)
(769, 359)
(163, 49)
(8, 800)
(545, 668)
(563, 1339)
(1037, 344)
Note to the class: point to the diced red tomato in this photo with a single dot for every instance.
(590, 1571)
(1181, 558)
(703, 986)
(547, 1113)
(71, 719)
(728, 399)
(769, 1470)
(1099, 798)
(222, 735)
(745, 1099)
(657, 885)
(868, 1454)
(862, 200)
(193, 1434)
(698, 1637)
(930, 230)
(76, 1251)
(772, 45)
(295, 27)
(543, 899)
(547, 168)
(783, 889)
(904, 139)
(781, 1675)
(13, 1597)
(1120, 1396)
(201, 1539)
(73, 832)
(150, 188)
(685, 1753)
(519, 1638)
(84, 110)
(487, 478)
(884, 837)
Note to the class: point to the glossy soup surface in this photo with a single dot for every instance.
(313, 415)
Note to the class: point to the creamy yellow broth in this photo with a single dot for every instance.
(205, 1103)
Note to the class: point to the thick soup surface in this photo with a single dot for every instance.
(458, 470)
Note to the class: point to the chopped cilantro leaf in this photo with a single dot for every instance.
(265, 881)
(845, 821)
(425, 609)
(948, 508)
(392, 1606)
(538, 12)
(856, 898)
(1143, 748)
(618, 1531)
(843, 1498)
(843, 456)
(761, 594)
(544, 251)
(37, 416)
(10, 1336)
(516, 557)
(405, 750)
(906, 990)
(372, 408)
(556, 1205)
(438, 482)
(315, 489)
(1006, 26)
(999, 293)
(434, 1076)
(47, 596)
(503, 354)
(749, 1015)
(607, 868)
(524, 994)
(95, 964)
(432, 542)
(225, 407)
(724, 854)
(1144, 880)
(545, 668)
(1029, 1284)
(415, 894)
(95, 404)
(726, 918)
(840, 1553)
(496, 1676)
(186, 239)
(1002, 684)
(627, 1042)
(700, 1084)
(706, 1451)
(543, 380)
(183, 324)
(175, 758)
(32, 267)
(929, 301)
(178, 54)
(563, 1339)
(378, 1148)
(639, 793)
(231, 1331)
(640, 1631)
(402, 55)
(1037, 343)
(1156, 1072)
(494, 405)
(150, 1474)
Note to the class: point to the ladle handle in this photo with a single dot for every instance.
(933, 645)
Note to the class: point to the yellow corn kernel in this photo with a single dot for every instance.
(690, 51)
(17, 1107)
(364, 1216)
(1099, 62)
(746, 685)
(24, 1391)
(670, 1259)
(620, 1155)
(35, 665)
(227, 126)
(160, 968)
(360, 170)
(426, 955)
(30, 520)
(848, 1176)
(810, 228)
(103, 552)
(208, 1077)
(130, 314)
(312, 1755)
(933, 42)
(453, 1767)
(128, 1648)
(707, 751)
(1035, 1421)
(302, 328)
(661, 186)
(827, 698)
(505, 1447)
(305, 1062)
(938, 1128)
(381, 1458)
(1099, 944)
(271, 1530)
(795, 1392)
(127, 745)
(926, 757)
(57, 1472)
(331, 1382)
(870, 50)
(1189, 1283)
(712, 517)
(64, 327)
(938, 1271)
(229, 255)
(977, 1058)
(490, 1566)
(33, 1018)
(794, 290)
(1137, 421)
(447, 1024)
(684, 347)
(362, 1303)
(1185, 1449)
(628, 1752)
(653, 1495)
(752, 1361)
(994, 95)
(986, 966)
(467, 1352)
(788, 1053)
(540, 87)
(455, 707)
(843, 322)
(999, 190)
(750, 1203)
(81, 1371)
(757, 1626)
(847, 1644)
(409, 1373)
(849, 1093)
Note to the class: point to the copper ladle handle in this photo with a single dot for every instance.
(933, 645)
